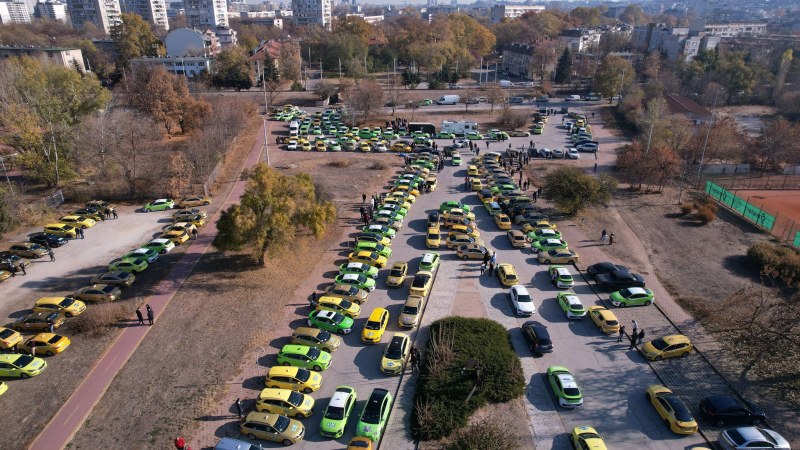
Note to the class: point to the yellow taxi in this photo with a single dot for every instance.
(191, 202)
(397, 274)
(472, 171)
(360, 443)
(502, 221)
(421, 285)
(485, 196)
(604, 319)
(667, 347)
(409, 190)
(672, 410)
(538, 225)
(9, 338)
(320, 146)
(586, 438)
(400, 147)
(507, 274)
(338, 304)
(67, 306)
(61, 229)
(412, 309)
(458, 213)
(433, 239)
(475, 184)
(517, 239)
(398, 201)
(272, 427)
(294, 378)
(177, 237)
(82, 222)
(375, 326)
(47, 344)
(364, 147)
(286, 402)
(181, 226)
(465, 229)
(305, 146)
(368, 257)
(197, 220)
(431, 181)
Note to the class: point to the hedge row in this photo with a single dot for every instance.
(440, 405)
(775, 260)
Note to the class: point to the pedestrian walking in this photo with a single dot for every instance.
(313, 300)
(535, 195)
(611, 239)
(139, 316)
(635, 327)
(363, 198)
(487, 145)
(486, 257)
(491, 268)
(641, 337)
(194, 233)
(621, 333)
(539, 191)
(24, 272)
(483, 268)
(494, 258)
(603, 236)
(114, 213)
(52, 255)
(79, 232)
(239, 409)
(633, 338)
(595, 167)
(150, 314)
(595, 154)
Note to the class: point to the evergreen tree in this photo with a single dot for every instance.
(564, 67)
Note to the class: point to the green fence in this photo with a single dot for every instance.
(737, 204)
(796, 241)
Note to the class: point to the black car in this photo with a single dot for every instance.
(47, 239)
(538, 338)
(369, 237)
(433, 219)
(603, 267)
(725, 409)
(618, 279)
(529, 216)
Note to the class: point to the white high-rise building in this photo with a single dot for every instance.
(153, 11)
(204, 14)
(312, 12)
(103, 13)
(14, 12)
(51, 9)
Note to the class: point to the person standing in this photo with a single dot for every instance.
(641, 337)
(313, 300)
(150, 315)
(621, 333)
(491, 268)
(79, 232)
(494, 258)
(611, 239)
(635, 331)
(239, 409)
(603, 236)
(483, 268)
(139, 316)
(486, 257)
(595, 167)
(50, 325)
(633, 337)
(194, 233)
(363, 198)
(52, 255)
(180, 443)
(24, 272)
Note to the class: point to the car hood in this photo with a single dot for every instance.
(526, 307)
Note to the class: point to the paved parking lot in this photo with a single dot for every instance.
(613, 378)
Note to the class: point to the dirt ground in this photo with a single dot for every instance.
(750, 117)
(182, 368)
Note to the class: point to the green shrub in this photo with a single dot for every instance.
(777, 261)
(440, 405)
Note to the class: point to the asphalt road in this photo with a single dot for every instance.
(613, 379)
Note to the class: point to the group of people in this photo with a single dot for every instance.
(397, 124)
(150, 315)
(636, 337)
(489, 263)
(604, 235)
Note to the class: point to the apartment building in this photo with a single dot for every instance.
(206, 13)
(313, 12)
(580, 40)
(104, 14)
(14, 12)
(500, 12)
(71, 58)
(153, 11)
(52, 10)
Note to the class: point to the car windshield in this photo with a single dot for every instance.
(510, 277)
(372, 412)
(625, 293)
(303, 375)
(736, 437)
(313, 353)
(6, 333)
(433, 235)
(395, 349)
(108, 289)
(54, 339)
(611, 322)
(373, 325)
(396, 273)
(22, 360)
(295, 398)
(281, 424)
(410, 309)
(572, 391)
(660, 344)
(420, 280)
(66, 303)
(334, 413)
(524, 298)
(345, 304)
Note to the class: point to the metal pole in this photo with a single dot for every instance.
(708, 132)
(266, 148)
(320, 69)
(480, 72)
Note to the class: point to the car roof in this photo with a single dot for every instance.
(637, 290)
(277, 371)
(520, 289)
(572, 299)
(413, 300)
(553, 241)
(675, 339)
(351, 276)
(429, 257)
(562, 271)
(376, 314)
(567, 380)
(339, 399)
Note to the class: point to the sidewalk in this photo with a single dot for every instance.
(72, 414)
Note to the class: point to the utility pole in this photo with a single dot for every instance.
(320, 69)
(708, 132)
(340, 70)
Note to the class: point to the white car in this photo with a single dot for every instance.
(522, 301)
(292, 145)
(573, 153)
(743, 438)
(568, 125)
(380, 148)
(545, 153)
(588, 147)
(461, 143)
(166, 245)
(559, 153)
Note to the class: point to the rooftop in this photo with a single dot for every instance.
(679, 104)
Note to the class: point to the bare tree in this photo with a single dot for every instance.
(364, 97)
(495, 95)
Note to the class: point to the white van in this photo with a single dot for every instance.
(448, 100)
(294, 127)
(506, 83)
(572, 98)
(459, 128)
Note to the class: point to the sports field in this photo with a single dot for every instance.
(783, 204)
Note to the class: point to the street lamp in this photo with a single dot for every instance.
(708, 132)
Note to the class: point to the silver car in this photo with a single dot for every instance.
(748, 438)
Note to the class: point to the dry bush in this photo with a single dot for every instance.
(512, 118)
(485, 435)
(97, 319)
(686, 208)
(706, 214)
(377, 165)
(341, 163)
